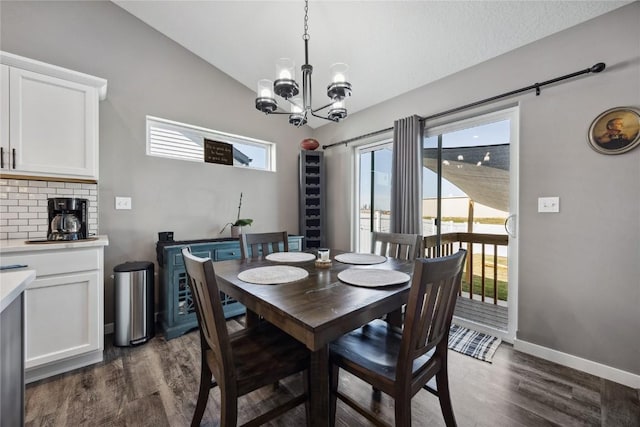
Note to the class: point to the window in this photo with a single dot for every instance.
(166, 138)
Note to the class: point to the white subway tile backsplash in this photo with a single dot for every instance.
(23, 206)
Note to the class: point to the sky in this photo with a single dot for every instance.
(488, 134)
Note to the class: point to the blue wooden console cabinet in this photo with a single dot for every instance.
(177, 309)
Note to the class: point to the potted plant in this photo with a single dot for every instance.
(236, 227)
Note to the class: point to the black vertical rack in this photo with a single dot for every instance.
(312, 214)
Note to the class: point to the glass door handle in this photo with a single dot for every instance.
(510, 225)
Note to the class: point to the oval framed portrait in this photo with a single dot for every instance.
(615, 131)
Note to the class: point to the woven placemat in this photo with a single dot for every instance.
(360, 258)
(373, 277)
(291, 257)
(273, 275)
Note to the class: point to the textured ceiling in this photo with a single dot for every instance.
(392, 47)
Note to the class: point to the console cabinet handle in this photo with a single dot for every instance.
(13, 152)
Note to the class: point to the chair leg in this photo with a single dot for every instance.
(228, 409)
(403, 410)
(203, 394)
(334, 372)
(442, 381)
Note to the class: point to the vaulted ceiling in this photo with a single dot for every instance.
(392, 47)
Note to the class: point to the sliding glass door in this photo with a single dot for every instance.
(470, 201)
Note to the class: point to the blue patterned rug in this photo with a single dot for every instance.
(475, 344)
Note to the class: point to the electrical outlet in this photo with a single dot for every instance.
(123, 202)
(549, 204)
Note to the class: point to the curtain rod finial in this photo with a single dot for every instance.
(600, 66)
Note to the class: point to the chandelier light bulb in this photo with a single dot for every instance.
(285, 69)
(265, 88)
(339, 72)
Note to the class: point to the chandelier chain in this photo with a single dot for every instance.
(305, 36)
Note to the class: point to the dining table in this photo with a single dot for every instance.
(316, 309)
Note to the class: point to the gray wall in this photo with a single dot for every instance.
(579, 270)
(149, 74)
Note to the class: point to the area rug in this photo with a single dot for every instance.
(471, 343)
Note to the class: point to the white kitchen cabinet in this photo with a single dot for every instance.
(50, 120)
(64, 305)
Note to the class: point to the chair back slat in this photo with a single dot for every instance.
(429, 312)
(252, 244)
(213, 328)
(396, 245)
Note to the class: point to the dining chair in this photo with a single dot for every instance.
(401, 362)
(251, 244)
(241, 362)
(396, 245)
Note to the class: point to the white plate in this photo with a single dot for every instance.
(273, 275)
(360, 258)
(291, 257)
(373, 277)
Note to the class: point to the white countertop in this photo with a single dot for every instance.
(20, 245)
(12, 284)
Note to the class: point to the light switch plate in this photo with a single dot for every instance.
(123, 202)
(549, 204)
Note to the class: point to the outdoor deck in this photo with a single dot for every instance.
(481, 247)
(487, 314)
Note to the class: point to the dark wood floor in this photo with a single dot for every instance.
(156, 384)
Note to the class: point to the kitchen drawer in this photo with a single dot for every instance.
(228, 253)
(199, 252)
(58, 261)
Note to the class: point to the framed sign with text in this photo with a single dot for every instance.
(218, 152)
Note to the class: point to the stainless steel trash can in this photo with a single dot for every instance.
(134, 303)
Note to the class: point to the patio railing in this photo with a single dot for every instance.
(485, 273)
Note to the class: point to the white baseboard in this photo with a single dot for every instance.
(594, 368)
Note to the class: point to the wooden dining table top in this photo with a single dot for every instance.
(319, 308)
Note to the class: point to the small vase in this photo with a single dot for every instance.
(236, 230)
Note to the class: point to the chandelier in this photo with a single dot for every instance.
(286, 87)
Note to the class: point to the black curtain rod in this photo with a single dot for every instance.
(600, 66)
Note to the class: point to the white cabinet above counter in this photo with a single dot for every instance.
(48, 120)
(64, 308)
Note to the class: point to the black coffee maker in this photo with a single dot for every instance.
(67, 218)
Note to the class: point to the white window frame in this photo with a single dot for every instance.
(366, 146)
(270, 147)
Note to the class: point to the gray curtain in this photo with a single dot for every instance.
(406, 176)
